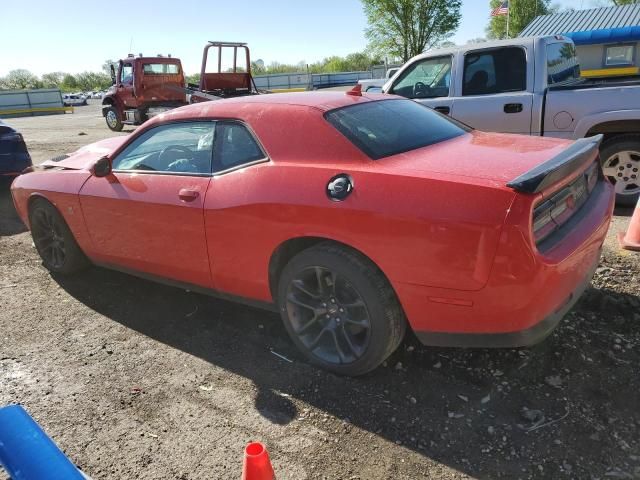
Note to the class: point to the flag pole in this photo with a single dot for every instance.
(508, 16)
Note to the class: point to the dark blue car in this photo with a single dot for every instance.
(14, 157)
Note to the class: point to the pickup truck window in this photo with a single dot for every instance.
(562, 64)
(388, 127)
(428, 78)
(495, 71)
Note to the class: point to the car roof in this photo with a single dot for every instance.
(322, 101)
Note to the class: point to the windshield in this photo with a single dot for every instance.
(388, 127)
(160, 69)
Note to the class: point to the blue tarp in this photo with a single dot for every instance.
(607, 35)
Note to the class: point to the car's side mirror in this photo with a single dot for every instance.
(102, 167)
(113, 75)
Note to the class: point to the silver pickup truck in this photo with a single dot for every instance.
(531, 86)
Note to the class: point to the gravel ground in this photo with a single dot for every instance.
(138, 380)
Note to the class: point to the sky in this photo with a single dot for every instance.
(75, 36)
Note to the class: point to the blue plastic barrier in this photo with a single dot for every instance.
(27, 453)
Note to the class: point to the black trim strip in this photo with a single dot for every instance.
(189, 286)
(165, 172)
(558, 167)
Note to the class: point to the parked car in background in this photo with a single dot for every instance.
(14, 156)
(388, 215)
(74, 100)
(375, 84)
(532, 86)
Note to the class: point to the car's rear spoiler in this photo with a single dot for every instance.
(557, 168)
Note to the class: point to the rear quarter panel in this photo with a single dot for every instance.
(427, 231)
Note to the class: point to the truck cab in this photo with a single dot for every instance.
(142, 88)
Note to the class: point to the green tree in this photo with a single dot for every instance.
(69, 82)
(624, 2)
(52, 80)
(88, 81)
(521, 13)
(193, 79)
(106, 66)
(404, 28)
(19, 79)
(257, 68)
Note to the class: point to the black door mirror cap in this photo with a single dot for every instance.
(102, 167)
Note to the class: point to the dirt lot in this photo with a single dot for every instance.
(138, 380)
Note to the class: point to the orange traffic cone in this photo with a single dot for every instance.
(631, 240)
(257, 465)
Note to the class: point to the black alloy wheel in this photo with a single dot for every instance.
(339, 309)
(53, 240)
(328, 315)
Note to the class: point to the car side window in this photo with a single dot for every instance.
(182, 148)
(427, 78)
(494, 71)
(234, 146)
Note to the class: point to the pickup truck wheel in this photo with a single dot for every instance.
(113, 120)
(53, 240)
(339, 309)
(621, 165)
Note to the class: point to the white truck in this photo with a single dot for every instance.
(377, 83)
(532, 86)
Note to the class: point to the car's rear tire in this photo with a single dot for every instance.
(620, 157)
(339, 309)
(113, 119)
(53, 240)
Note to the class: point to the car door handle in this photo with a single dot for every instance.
(512, 107)
(187, 194)
(443, 109)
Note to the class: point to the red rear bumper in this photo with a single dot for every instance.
(527, 294)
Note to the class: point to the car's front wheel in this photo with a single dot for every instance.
(53, 240)
(339, 309)
(621, 164)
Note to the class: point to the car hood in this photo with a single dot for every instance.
(489, 156)
(85, 157)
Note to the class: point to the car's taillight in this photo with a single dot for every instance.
(554, 212)
(543, 224)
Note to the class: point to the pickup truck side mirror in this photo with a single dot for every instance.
(113, 75)
(102, 167)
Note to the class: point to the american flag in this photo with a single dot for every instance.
(503, 9)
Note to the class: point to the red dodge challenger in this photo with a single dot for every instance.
(354, 215)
